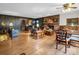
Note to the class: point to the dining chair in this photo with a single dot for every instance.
(61, 38)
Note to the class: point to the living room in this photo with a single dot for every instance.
(30, 28)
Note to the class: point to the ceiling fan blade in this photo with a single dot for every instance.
(73, 7)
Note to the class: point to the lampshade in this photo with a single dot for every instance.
(37, 25)
(3, 24)
(11, 24)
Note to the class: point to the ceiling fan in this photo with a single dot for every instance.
(68, 6)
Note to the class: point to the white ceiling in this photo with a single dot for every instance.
(32, 10)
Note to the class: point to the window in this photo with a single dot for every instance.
(72, 21)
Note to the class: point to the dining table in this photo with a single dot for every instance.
(74, 37)
(39, 33)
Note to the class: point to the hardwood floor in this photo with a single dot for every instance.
(29, 46)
